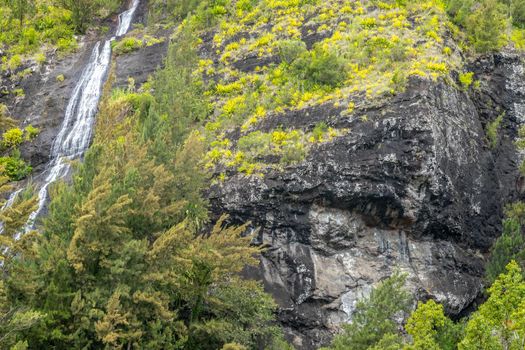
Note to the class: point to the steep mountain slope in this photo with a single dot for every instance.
(359, 137)
(415, 187)
(410, 181)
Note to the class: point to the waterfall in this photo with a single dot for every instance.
(75, 132)
(125, 19)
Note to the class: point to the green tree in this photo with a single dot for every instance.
(14, 318)
(431, 329)
(516, 10)
(20, 9)
(509, 246)
(499, 323)
(485, 22)
(375, 316)
(389, 341)
(82, 12)
(178, 103)
(486, 26)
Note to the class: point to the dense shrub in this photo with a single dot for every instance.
(12, 137)
(290, 50)
(30, 132)
(466, 79)
(486, 22)
(14, 167)
(320, 66)
(127, 45)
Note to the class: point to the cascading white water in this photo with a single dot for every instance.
(125, 19)
(75, 133)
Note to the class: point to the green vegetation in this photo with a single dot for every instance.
(44, 25)
(14, 319)
(431, 329)
(511, 244)
(487, 22)
(133, 41)
(492, 130)
(84, 11)
(375, 317)
(127, 45)
(31, 132)
(497, 324)
(12, 167)
(320, 66)
(127, 257)
(466, 79)
(12, 138)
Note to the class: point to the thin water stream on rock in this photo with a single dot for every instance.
(74, 136)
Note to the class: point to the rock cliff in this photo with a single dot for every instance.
(413, 186)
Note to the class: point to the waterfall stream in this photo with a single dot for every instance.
(74, 136)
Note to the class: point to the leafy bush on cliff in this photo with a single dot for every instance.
(487, 22)
(127, 45)
(14, 167)
(12, 137)
(320, 66)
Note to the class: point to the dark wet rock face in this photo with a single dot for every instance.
(140, 64)
(45, 100)
(414, 185)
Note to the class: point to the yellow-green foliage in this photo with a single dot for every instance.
(248, 156)
(518, 38)
(19, 93)
(466, 79)
(13, 167)
(135, 40)
(31, 132)
(367, 48)
(127, 45)
(46, 24)
(12, 137)
(40, 58)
